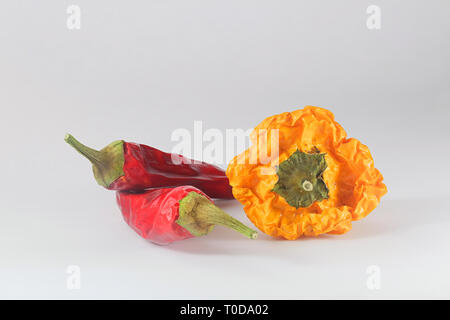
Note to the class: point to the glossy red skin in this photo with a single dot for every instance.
(152, 213)
(146, 167)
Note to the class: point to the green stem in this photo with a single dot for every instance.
(107, 163)
(94, 156)
(198, 215)
(300, 181)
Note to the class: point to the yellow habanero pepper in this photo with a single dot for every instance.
(321, 182)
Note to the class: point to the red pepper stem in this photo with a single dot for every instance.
(94, 156)
(107, 163)
(198, 215)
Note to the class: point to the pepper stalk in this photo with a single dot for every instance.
(199, 216)
(107, 163)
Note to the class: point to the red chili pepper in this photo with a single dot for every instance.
(171, 214)
(127, 166)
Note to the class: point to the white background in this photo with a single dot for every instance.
(138, 70)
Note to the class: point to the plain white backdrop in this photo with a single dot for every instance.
(138, 70)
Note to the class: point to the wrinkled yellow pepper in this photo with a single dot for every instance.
(321, 182)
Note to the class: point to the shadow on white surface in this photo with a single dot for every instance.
(392, 218)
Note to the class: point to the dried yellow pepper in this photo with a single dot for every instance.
(321, 182)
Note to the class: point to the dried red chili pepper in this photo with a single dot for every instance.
(127, 166)
(170, 214)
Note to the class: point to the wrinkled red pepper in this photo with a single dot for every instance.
(127, 166)
(166, 215)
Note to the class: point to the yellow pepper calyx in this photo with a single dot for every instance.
(300, 180)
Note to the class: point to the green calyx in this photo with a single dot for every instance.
(198, 215)
(300, 180)
(107, 163)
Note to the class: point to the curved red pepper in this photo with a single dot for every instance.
(171, 214)
(127, 166)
